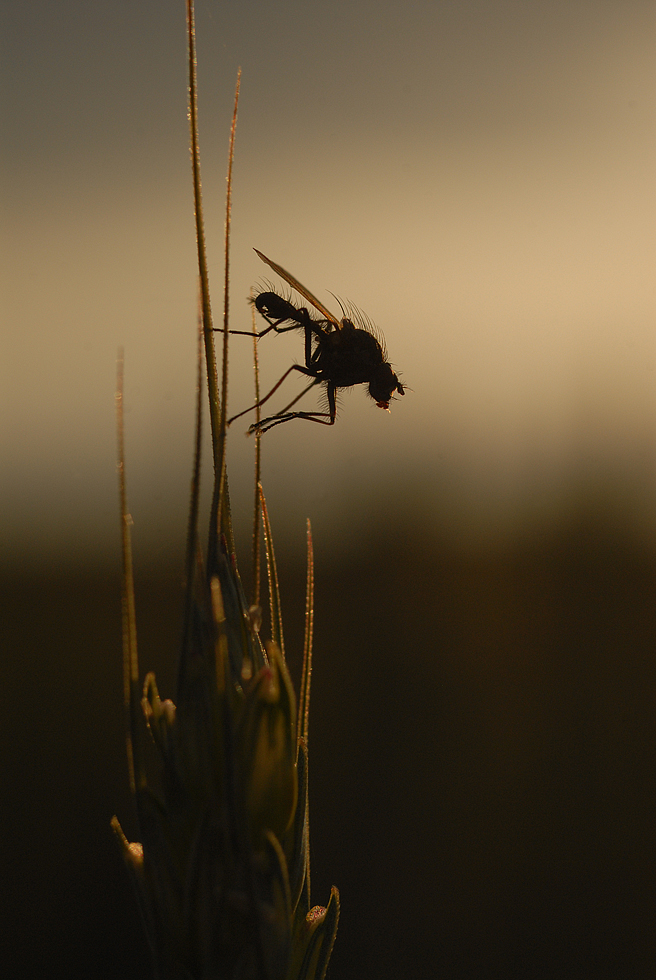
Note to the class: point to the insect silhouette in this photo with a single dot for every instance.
(338, 353)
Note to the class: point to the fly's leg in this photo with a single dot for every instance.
(302, 320)
(298, 397)
(323, 418)
(294, 367)
(272, 326)
(266, 424)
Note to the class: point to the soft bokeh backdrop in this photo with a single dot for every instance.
(478, 177)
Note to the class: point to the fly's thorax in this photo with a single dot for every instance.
(356, 340)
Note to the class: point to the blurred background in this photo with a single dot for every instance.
(478, 178)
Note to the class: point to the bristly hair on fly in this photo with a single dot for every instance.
(360, 320)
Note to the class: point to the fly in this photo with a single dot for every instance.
(338, 354)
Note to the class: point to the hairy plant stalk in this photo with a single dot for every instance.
(222, 869)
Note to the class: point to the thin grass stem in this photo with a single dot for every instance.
(272, 573)
(131, 691)
(191, 558)
(210, 356)
(306, 674)
(221, 467)
(258, 465)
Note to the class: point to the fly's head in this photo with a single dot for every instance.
(383, 384)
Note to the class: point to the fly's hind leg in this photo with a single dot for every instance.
(294, 367)
(323, 418)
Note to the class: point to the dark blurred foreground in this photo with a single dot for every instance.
(482, 753)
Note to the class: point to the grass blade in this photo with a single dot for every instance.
(131, 690)
(272, 572)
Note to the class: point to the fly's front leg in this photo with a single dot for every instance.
(296, 318)
(272, 326)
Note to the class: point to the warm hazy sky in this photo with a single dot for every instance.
(477, 176)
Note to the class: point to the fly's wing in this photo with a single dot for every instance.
(295, 284)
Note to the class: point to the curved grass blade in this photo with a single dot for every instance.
(297, 844)
(318, 933)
